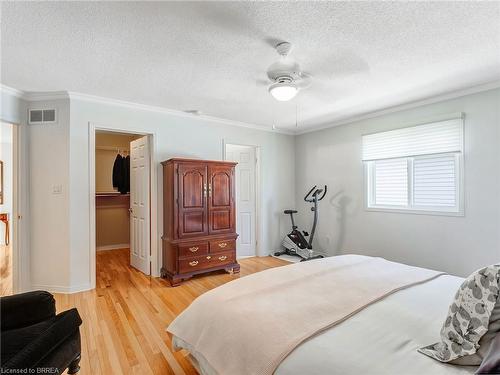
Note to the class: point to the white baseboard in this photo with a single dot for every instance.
(288, 258)
(62, 289)
(113, 247)
(245, 256)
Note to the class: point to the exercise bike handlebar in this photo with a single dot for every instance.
(324, 193)
(315, 194)
(309, 193)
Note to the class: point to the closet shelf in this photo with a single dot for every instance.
(112, 194)
(112, 148)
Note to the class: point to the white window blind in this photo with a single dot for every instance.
(417, 168)
(391, 182)
(435, 181)
(439, 137)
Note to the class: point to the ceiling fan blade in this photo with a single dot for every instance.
(262, 82)
(284, 66)
(273, 42)
(319, 91)
(343, 63)
(227, 16)
(305, 80)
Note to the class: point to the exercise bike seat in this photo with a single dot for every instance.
(287, 212)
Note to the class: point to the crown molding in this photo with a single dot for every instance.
(43, 96)
(173, 112)
(405, 106)
(12, 91)
(58, 95)
(34, 96)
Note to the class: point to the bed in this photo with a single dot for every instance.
(381, 338)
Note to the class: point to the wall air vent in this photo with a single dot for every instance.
(42, 116)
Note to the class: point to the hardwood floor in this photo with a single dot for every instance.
(125, 317)
(5, 270)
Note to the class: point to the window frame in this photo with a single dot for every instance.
(369, 190)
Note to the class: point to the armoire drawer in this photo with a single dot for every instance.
(222, 245)
(196, 263)
(218, 259)
(193, 249)
(206, 261)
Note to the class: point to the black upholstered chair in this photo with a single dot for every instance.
(34, 337)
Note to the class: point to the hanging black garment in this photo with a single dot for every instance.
(118, 172)
(125, 186)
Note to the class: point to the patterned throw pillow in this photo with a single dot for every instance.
(468, 316)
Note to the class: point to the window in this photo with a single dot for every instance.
(416, 169)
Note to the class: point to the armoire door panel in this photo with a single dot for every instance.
(192, 201)
(221, 199)
(193, 222)
(220, 220)
(193, 196)
(221, 189)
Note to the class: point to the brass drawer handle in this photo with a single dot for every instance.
(193, 263)
(209, 257)
(223, 244)
(194, 249)
(223, 257)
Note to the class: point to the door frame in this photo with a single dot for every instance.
(258, 188)
(20, 209)
(153, 229)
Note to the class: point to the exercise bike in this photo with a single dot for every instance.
(295, 242)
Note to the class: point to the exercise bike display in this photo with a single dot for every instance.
(295, 242)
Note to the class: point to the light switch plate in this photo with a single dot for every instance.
(57, 189)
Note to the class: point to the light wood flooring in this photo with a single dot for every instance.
(125, 317)
(5, 270)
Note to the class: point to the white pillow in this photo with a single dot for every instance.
(475, 310)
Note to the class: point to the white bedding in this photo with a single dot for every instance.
(381, 339)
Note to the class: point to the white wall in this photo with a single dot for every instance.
(454, 244)
(12, 108)
(175, 136)
(50, 215)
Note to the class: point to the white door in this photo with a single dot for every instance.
(245, 197)
(140, 236)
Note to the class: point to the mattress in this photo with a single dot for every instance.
(381, 339)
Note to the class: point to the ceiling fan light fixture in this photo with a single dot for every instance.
(283, 91)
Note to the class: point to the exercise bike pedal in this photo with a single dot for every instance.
(313, 257)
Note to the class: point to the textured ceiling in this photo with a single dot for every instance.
(211, 56)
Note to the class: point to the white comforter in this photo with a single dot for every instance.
(381, 339)
(384, 337)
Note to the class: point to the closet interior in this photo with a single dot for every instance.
(112, 186)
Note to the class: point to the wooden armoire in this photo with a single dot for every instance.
(199, 220)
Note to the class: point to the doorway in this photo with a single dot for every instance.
(8, 214)
(246, 197)
(122, 166)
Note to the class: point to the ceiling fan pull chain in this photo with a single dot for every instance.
(296, 115)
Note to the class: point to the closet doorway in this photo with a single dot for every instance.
(122, 198)
(8, 206)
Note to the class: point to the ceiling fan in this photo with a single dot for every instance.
(285, 76)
